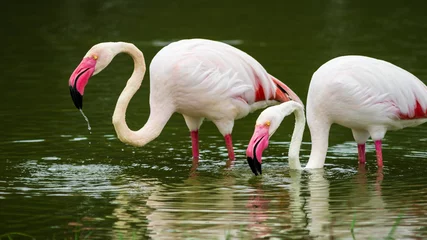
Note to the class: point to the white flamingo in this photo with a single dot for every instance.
(197, 78)
(368, 95)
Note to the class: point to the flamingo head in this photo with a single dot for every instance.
(95, 60)
(267, 123)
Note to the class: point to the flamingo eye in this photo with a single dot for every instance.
(95, 57)
(267, 123)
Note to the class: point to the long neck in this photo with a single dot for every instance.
(294, 148)
(152, 128)
(319, 130)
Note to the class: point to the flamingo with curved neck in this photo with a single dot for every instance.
(266, 125)
(94, 62)
(368, 95)
(201, 79)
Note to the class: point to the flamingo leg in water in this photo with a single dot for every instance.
(229, 145)
(361, 151)
(195, 144)
(379, 153)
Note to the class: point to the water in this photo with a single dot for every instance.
(55, 185)
(87, 120)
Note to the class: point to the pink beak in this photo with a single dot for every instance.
(79, 78)
(257, 144)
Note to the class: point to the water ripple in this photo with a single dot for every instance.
(29, 141)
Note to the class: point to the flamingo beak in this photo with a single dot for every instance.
(79, 78)
(257, 144)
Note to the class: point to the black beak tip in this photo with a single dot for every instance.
(77, 97)
(255, 166)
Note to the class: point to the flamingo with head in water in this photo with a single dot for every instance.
(201, 79)
(367, 95)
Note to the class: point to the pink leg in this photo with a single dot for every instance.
(195, 144)
(229, 145)
(379, 153)
(379, 180)
(361, 151)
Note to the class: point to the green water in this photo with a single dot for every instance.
(59, 181)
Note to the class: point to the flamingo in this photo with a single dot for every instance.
(201, 79)
(367, 95)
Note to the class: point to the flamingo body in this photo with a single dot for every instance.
(363, 93)
(209, 79)
(367, 95)
(201, 79)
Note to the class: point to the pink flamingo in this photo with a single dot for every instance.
(197, 78)
(368, 95)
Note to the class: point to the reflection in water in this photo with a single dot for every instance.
(131, 208)
(318, 204)
(258, 213)
(366, 206)
(224, 207)
(309, 203)
(231, 203)
(195, 208)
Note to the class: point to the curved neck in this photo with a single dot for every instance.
(295, 146)
(319, 130)
(151, 129)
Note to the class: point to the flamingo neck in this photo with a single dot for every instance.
(295, 146)
(151, 129)
(319, 130)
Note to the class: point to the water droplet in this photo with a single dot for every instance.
(87, 120)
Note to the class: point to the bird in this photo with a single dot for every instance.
(368, 95)
(198, 78)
